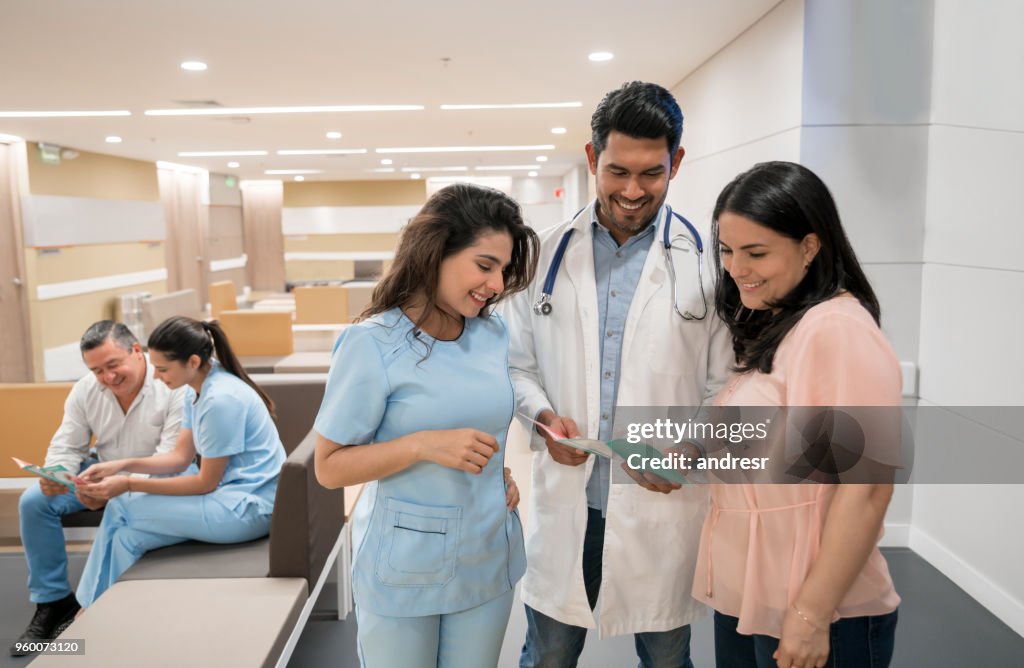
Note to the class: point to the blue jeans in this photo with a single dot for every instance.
(854, 642)
(468, 638)
(42, 535)
(553, 644)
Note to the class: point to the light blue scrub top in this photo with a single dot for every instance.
(230, 420)
(429, 539)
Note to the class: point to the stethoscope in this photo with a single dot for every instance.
(543, 304)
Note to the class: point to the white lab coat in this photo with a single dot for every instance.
(651, 539)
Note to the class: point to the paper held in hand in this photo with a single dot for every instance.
(57, 473)
(618, 447)
(590, 445)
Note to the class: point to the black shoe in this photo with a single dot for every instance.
(48, 616)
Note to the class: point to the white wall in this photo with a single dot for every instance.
(812, 83)
(972, 283)
(740, 107)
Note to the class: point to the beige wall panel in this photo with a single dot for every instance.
(319, 271)
(224, 248)
(355, 193)
(331, 243)
(62, 321)
(93, 175)
(225, 238)
(78, 262)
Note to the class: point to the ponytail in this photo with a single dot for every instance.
(178, 338)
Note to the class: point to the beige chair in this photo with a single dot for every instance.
(321, 305)
(258, 333)
(30, 413)
(157, 309)
(222, 298)
(359, 295)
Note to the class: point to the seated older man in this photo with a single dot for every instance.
(130, 415)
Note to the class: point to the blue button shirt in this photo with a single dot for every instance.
(617, 272)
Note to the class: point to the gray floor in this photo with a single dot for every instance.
(940, 626)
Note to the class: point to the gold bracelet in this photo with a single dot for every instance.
(805, 618)
(130, 491)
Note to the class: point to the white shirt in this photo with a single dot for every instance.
(149, 426)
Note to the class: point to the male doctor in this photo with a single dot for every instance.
(619, 331)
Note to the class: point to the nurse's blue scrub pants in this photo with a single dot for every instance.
(134, 524)
(467, 639)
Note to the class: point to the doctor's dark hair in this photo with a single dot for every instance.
(451, 221)
(791, 200)
(104, 330)
(640, 110)
(178, 338)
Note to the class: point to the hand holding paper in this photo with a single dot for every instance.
(55, 474)
(559, 432)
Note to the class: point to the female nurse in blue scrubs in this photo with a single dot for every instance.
(418, 403)
(227, 421)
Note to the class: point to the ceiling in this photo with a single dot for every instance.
(126, 55)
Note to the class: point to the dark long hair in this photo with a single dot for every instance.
(451, 221)
(791, 200)
(178, 338)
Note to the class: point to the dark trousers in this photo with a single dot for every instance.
(855, 642)
(552, 644)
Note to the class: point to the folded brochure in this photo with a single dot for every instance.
(56, 473)
(610, 449)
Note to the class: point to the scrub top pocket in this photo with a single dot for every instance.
(419, 544)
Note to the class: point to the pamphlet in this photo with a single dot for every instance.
(619, 447)
(57, 473)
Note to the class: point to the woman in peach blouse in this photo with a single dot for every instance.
(793, 571)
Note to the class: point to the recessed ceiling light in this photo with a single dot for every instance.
(217, 154)
(233, 165)
(387, 161)
(322, 151)
(333, 135)
(300, 178)
(290, 172)
(382, 170)
(414, 176)
(113, 139)
(61, 114)
(558, 131)
(527, 105)
(542, 158)
(248, 111)
(193, 66)
(532, 174)
(463, 149)
(504, 168)
(601, 56)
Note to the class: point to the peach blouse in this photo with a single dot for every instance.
(759, 541)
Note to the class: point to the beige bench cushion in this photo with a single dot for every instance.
(175, 623)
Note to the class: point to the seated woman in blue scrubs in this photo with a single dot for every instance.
(418, 402)
(227, 421)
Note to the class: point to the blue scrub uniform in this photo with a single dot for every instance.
(230, 420)
(429, 540)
